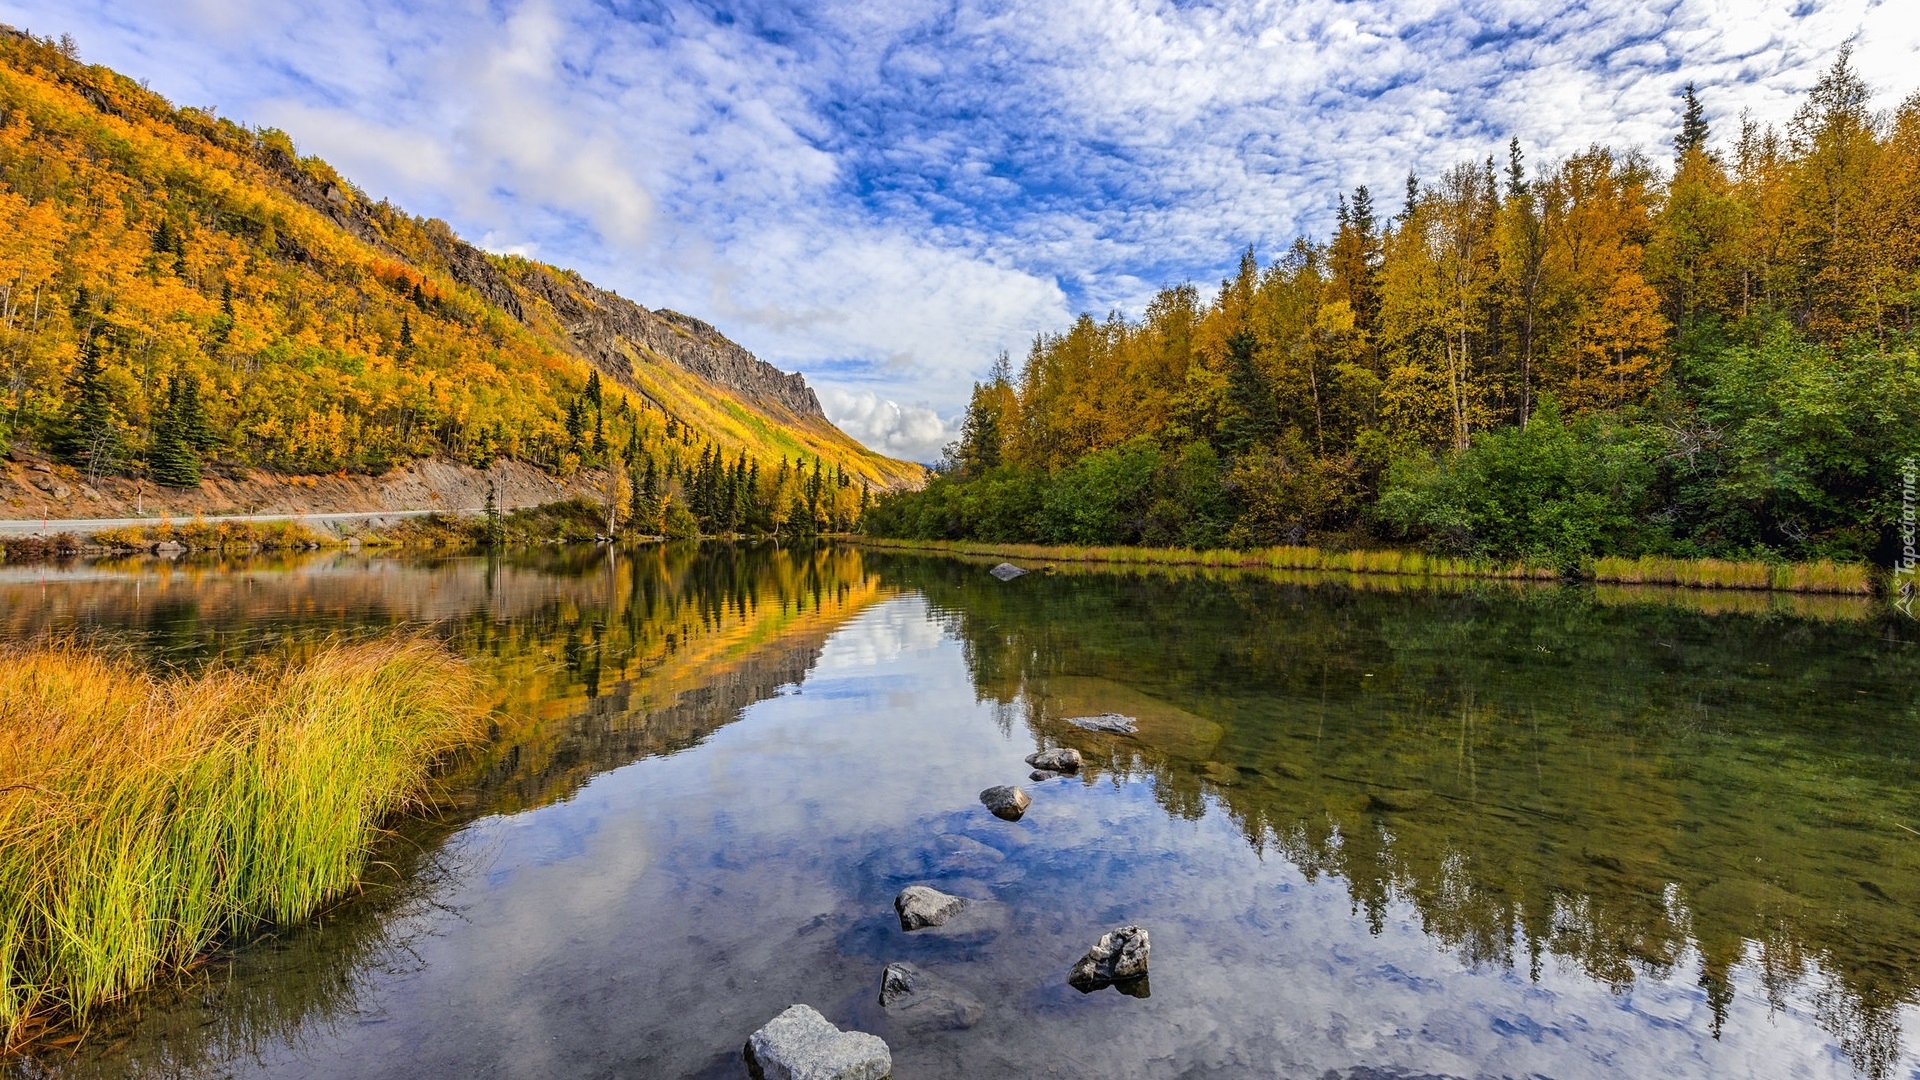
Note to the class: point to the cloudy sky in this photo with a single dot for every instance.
(885, 195)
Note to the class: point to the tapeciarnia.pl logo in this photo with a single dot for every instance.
(1903, 572)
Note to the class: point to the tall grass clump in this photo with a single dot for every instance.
(145, 818)
(219, 535)
(1825, 576)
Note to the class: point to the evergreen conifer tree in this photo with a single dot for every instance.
(1693, 125)
(194, 426)
(171, 458)
(87, 436)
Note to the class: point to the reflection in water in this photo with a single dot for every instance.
(1486, 831)
(1536, 773)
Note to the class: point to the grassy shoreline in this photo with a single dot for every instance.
(1818, 577)
(144, 819)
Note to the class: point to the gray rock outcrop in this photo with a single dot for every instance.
(1121, 956)
(1056, 759)
(1006, 571)
(1006, 801)
(916, 999)
(800, 1044)
(919, 906)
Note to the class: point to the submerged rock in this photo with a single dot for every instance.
(1110, 722)
(800, 1044)
(1043, 775)
(917, 999)
(951, 853)
(1398, 800)
(1006, 571)
(1057, 759)
(1006, 801)
(919, 906)
(1120, 957)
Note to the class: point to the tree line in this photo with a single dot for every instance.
(1710, 355)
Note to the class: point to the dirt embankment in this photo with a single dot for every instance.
(31, 488)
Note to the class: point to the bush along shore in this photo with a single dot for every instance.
(146, 818)
(1850, 579)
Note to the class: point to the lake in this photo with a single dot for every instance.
(1376, 828)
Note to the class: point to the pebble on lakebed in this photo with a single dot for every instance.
(1006, 802)
(800, 1044)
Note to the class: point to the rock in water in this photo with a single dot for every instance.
(1041, 775)
(1006, 571)
(919, 906)
(1120, 956)
(1058, 759)
(917, 999)
(1006, 801)
(1111, 722)
(800, 1044)
(1401, 799)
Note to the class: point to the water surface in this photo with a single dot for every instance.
(1490, 831)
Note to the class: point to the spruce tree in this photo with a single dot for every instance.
(223, 328)
(1252, 418)
(1693, 126)
(193, 417)
(171, 459)
(576, 423)
(87, 436)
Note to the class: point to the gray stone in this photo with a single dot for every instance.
(918, 1000)
(919, 906)
(1006, 571)
(1056, 759)
(1006, 801)
(800, 1044)
(1120, 956)
(1039, 776)
(1108, 722)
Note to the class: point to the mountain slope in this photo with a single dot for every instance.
(155, 254)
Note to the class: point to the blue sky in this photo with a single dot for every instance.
(884, 195)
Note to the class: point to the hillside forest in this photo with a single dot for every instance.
(181, 293)
(1712, 353)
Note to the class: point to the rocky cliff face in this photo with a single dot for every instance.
(614, 332)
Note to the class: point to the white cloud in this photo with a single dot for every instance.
(884, 196)
(913, 432)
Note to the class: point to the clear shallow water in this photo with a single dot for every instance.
(1473, 833)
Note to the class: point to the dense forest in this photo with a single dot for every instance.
(179, 293)
(1607, 354)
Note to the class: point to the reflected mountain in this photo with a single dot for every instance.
(595, 659)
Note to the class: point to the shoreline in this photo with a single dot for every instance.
(1819, 578)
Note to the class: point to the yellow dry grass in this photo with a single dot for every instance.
(143, 818)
